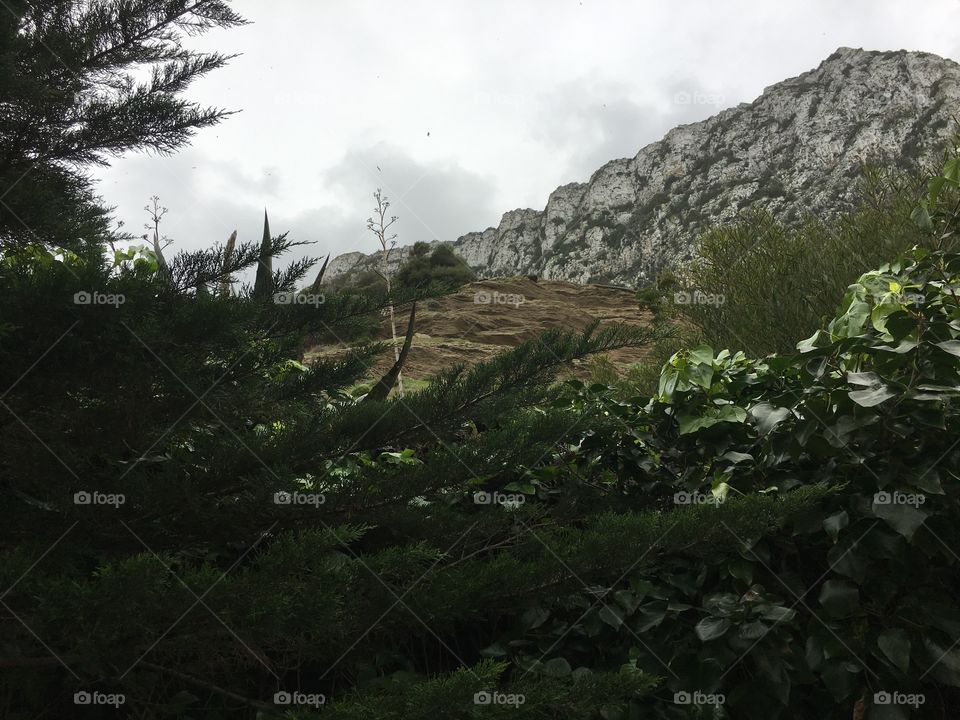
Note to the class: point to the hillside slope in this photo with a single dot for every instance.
(488, 316)
(795, 149)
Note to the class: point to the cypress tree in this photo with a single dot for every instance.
(71, 99)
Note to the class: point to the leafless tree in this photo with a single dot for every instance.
(379, 224)
(156, 213)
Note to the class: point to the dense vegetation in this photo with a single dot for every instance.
(758, 284)
(427, 270)
(440, 266)
(196, 524)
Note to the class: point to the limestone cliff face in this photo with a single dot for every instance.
(795, 149)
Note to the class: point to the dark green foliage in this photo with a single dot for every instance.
(195, 410)
(653, 297)
(856, 594)
(196, 519)
(778, 281)
(441, 267)
(743, 596)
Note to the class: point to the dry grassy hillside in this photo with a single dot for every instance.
(488, 316)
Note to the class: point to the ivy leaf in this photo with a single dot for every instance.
(649, 618)
(835, 523)
(534, 617)
(950, 346)
(720, 491)
(700, 375)
(847, 561)
(767, 417)
(752, 630)
(871, 397)
(852, 322)
(736, 457)
(612, 616)
(903, 518)
(951, 171)
(495, 650)
(868, 379)
(840, 598)
(727, 413)
(711, 628)
(921, 218)
(895, 645)
(702, 354)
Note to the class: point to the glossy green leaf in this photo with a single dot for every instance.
(839, 598)
(895, 645)
(711, 628)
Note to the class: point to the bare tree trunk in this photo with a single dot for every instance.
(393, 323)
(380, 227)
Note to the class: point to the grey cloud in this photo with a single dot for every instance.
(434, 201)
(596, 122)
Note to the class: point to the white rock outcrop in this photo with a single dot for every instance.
(795, 149)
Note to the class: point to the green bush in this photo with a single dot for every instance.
(440, 267)
(757, 284)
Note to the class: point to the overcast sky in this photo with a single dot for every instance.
(462, 110)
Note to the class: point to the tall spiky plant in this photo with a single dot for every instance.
(225, 282)
(380, 227)
(263, 286)
(315, 287)
(156, 213)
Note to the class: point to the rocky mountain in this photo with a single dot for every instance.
(796, 148)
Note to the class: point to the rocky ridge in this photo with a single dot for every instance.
(795, 149)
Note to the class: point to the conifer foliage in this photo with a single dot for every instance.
(74, 95)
